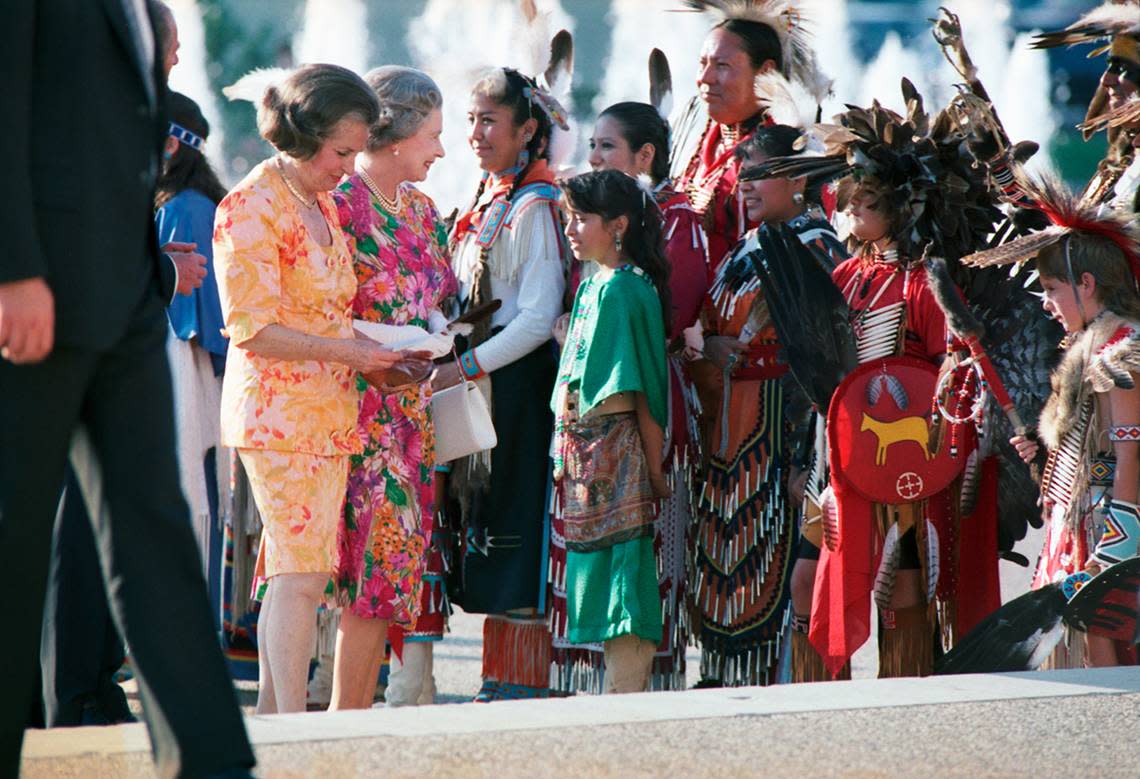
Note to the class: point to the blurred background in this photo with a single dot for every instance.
(865, 46)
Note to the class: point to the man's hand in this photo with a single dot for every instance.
(190, 265)
(27, 320)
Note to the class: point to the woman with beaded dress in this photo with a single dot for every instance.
(746, 517)
(508, 247)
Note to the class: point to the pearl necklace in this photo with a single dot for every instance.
(392, 206)
(292, 188)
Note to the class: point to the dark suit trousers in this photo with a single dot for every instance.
(81, 650)
(146, 548)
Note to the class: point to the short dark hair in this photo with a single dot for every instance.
(759, 41)
(1096, 255)
(640, 124)
(300, 113)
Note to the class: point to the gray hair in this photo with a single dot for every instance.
(407, 97)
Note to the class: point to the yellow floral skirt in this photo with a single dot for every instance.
(299, 497)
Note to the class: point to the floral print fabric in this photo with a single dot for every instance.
(271, 271)
(299, 498)
(403, 274)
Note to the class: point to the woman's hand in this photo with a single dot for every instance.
(560, 328)
(720, 348)
(446, 375)
(1027, 448)
(660, 485)
(367, 356)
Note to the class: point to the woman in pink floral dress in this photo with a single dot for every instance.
(403, 276)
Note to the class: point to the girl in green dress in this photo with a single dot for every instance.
(611, 407)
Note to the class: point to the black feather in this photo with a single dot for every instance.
(808, 311)
(660, 79)
(1014, 638)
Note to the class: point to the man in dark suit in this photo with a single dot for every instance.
(82, 327)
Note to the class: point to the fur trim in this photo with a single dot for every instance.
(1096, 360)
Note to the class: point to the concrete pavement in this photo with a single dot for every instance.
(1039, 724)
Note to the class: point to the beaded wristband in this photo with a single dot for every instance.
(1124, 433)
(470, 366)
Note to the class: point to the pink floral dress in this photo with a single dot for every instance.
(403, 273)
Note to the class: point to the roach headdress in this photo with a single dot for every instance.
(1069, 215)
(785, 19)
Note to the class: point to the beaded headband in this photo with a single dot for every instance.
(182, 135)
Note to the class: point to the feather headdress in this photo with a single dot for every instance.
(787, 21)
(921, 163)
(660, 83)
(786, 101)
(1068, 214)
(1117, 17)
(1116, 21)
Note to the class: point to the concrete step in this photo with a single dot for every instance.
(1038, 724)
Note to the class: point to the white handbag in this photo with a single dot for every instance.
(462, 422)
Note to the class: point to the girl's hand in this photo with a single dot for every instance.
(719, 348)
(1027, 448)
(560, 328)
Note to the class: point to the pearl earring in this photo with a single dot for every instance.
(798, 198)
(396, 151)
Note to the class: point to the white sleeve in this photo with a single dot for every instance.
(540, 284)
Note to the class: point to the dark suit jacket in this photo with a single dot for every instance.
(83, 143)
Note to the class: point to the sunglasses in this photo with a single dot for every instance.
(1122, 68)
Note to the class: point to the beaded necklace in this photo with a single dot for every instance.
(391, 205)
(292, 187)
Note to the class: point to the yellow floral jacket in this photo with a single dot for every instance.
(271, 271)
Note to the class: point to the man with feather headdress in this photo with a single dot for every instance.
(1115, 27)
(749, 38)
